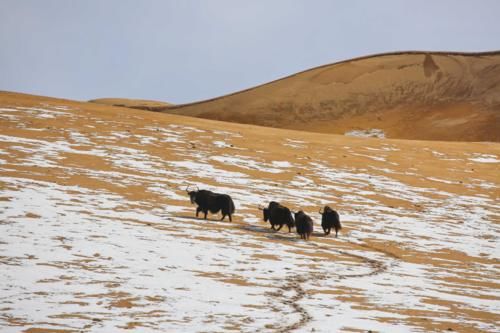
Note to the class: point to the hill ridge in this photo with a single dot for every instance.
(422, 95)
(374, 55)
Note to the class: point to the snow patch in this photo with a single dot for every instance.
(368, 133)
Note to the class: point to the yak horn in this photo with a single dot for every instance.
(320, 211)
(259, 207)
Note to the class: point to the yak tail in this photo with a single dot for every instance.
(291, 221)
(231, 206)
(339, 225)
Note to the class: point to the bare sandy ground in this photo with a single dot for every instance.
(405, 95)
(97, 233)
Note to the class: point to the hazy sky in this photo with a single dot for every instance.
(182, 51)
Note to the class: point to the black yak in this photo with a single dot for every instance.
(330, 219)
(213, 202)
(304, 225)
(278, 215)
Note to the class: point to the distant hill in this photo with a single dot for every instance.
(140, 104)
(406, 95)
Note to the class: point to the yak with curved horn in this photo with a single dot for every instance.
(209, 201)
(278, 216)
(330, 219)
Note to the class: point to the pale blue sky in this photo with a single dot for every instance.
(182, 51)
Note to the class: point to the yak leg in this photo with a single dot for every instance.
(205, 212)
(336, 232)
(280, 226)
(198, 210)
(327, 231)
(289, 228)
(224, 216)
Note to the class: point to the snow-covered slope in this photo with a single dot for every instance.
(98, 235)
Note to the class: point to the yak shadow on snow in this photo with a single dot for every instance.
(194, 218)
(270, 233)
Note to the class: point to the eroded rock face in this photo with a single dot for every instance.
(430, 67)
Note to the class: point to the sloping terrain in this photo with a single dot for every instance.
(139, 104)
(98, 234)
(407, 95)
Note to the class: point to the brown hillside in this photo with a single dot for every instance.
(409, 95)
(139, 104)
(98, 232)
